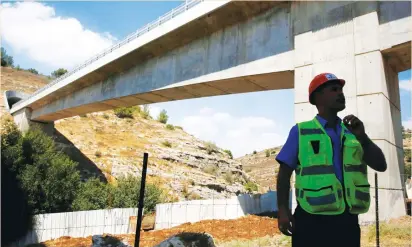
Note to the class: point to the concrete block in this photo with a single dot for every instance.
(343, 68)
(392, 85)
(370, 74)
(335, 23)
(396, 126)
(303, 77)
(332, 49)
(375, 112)
(382, 119)
(366, 33)
(304, 112)
(391, 178)
(303, 49)
(395, 32)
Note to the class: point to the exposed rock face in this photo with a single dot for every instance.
(188, 239)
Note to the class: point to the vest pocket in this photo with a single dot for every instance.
(358, 198)
(353, 152)
(322, 200)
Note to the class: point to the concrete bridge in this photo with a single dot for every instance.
(211, 48)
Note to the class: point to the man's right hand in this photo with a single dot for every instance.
(286, 222)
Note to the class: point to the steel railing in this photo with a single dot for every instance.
(146, 28)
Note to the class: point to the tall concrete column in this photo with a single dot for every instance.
(350, 50)
(23, 122)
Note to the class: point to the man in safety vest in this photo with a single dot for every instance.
(330, 158)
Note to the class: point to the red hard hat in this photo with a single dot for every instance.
(320, 80)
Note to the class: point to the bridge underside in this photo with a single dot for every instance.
(245, 84)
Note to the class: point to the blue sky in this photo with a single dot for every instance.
(242, 123)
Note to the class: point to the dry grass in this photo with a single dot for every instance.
(267, 241)
(393, 233)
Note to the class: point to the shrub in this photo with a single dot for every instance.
(170, 127)
(248, 169)
(406, 134)
(210, 147)
(124, 112)
(83, 116)
(229, 153)
(105, 116)
(210, 169)
(59, 72)
(178, 127)
(267, 152)
(229, 177)
(48, 178)
(407, 153)
(6, 60)
(194, 196)
(250, 186)
(16, 213)
(163, 117)
(145, 112)
(407, 171)
(33, 71)
(167, 144)
(98, 154)
(126, 194)
(254, 152)
(92, 195)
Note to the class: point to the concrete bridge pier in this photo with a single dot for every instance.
(22, 118)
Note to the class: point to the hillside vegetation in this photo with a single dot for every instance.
(111, 144)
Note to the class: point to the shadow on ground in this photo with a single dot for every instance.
(86, 166)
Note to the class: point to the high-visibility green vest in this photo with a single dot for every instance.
(318, 190)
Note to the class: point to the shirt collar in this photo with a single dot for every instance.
(324, 122)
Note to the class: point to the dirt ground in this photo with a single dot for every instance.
(247, 228)
(249, 231)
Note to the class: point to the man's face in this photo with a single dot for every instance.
(331, 96)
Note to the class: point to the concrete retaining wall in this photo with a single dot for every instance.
(173, 214)
(80, 224)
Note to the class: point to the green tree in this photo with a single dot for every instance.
(163, 117)
(33, 71)
(59, 72)
(92, 195)
(229, 153)
(6, 60)
(124, 112)
(48, 178)
(126, 194)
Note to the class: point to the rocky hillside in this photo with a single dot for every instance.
(110, 146)
(262, 167)
(19, 80)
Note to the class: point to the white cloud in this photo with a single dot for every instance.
(405, 84)
(34, 29)
(242, 135)
(407, 124)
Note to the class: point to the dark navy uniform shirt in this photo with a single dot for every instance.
(289, 153)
